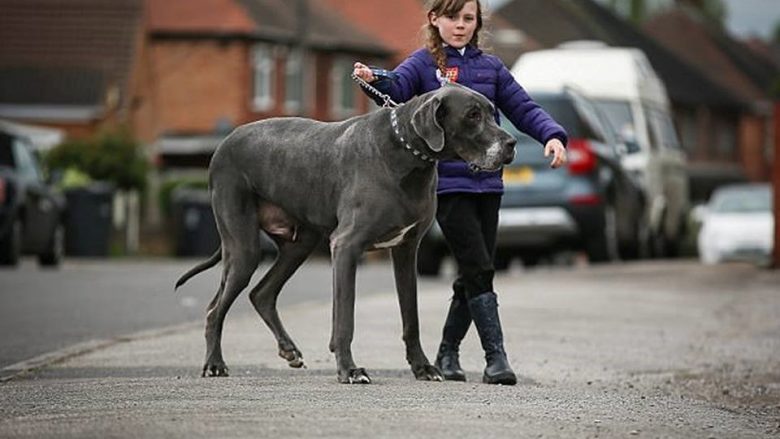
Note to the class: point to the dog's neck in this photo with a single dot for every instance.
(395, 124)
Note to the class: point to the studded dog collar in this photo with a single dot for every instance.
(416, 152)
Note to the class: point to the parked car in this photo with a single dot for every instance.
(737, 225)
(622, 83)
(593, 204)
(31, 212)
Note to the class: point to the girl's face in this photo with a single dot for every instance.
(456, 30)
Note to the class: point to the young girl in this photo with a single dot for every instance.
(468, 202)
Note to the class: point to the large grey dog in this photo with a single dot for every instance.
(368, 182)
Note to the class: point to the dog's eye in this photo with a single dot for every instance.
(475, 116)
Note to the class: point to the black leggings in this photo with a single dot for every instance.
(469, 223)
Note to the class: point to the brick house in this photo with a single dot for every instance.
(179, 73)
(215, 64)
(395, 24)
(735, 67)
(69, 65)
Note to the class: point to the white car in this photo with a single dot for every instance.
(738, 225)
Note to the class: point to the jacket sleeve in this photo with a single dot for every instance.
(525, 114)
(407, 82)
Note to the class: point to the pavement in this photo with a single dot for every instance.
(656, 350)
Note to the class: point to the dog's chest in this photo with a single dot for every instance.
(393, 238)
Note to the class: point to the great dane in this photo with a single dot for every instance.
(365, 183)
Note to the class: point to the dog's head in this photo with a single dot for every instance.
(457, 122)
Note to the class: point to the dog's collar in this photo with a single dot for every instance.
(397, 130)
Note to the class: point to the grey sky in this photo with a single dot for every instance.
(746, 17)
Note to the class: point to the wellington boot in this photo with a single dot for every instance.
(455, 327)
(484, 312)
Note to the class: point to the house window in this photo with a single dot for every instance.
(263, 73)
(293, 81)
(342, 89)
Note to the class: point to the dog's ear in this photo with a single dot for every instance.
(426, 124)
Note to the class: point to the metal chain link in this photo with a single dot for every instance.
(388, 102)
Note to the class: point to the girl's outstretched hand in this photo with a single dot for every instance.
(558, 151)
(363, 72)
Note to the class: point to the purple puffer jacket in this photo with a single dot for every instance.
(485, 74)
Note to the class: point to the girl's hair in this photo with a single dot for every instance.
(443, 8)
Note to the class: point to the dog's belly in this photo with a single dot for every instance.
(275, 221)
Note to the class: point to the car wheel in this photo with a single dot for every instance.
(502, 260)
(11, 246)
(55, 248)
(530, 261)
(429, 259)
(602, 246)
(658, 243)
(639, 247)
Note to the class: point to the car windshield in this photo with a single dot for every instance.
(742, 200)
(618, 113)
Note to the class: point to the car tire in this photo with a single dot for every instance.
(502, 260)
(639, 247)
(530, 261)
(429, 259)
(55, 249)
(602, 245)
(11, 246)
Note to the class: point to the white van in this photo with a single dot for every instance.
(624, 85)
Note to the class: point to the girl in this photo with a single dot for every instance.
(468, 202)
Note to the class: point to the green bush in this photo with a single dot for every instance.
(112, 156)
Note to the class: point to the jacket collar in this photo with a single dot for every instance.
(470, 52)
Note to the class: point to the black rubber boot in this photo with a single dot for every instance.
(484, 311)
(455, 328)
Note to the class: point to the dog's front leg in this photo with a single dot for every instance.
(404, 266)
(345, 254)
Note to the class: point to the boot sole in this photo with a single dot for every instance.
(506, 379)
(455, 377)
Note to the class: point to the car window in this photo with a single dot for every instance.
(590, 115)
(562, 110)
(662, 127)
(618, 113)
(26, 164)
(6, 156)
(745, 200)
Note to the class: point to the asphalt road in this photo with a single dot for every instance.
(45, 310)
(656, 349)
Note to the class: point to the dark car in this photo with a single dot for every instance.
(31, 213)
(592, 204)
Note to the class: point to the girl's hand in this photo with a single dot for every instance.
(558, 151)
(363, 72)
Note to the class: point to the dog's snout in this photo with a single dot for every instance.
(509, 147)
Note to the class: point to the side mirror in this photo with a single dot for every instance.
(627, 137)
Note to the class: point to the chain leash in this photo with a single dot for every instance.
(388, 102)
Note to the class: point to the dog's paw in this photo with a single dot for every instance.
(428, 372)
(294, 357)
(354, 376)
(215, 370)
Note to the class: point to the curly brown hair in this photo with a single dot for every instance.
(442, 8)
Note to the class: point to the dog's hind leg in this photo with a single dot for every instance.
(236, 222)
(264, 295)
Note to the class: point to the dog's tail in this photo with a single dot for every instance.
(203, 266)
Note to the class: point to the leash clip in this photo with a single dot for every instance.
(388, 101)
